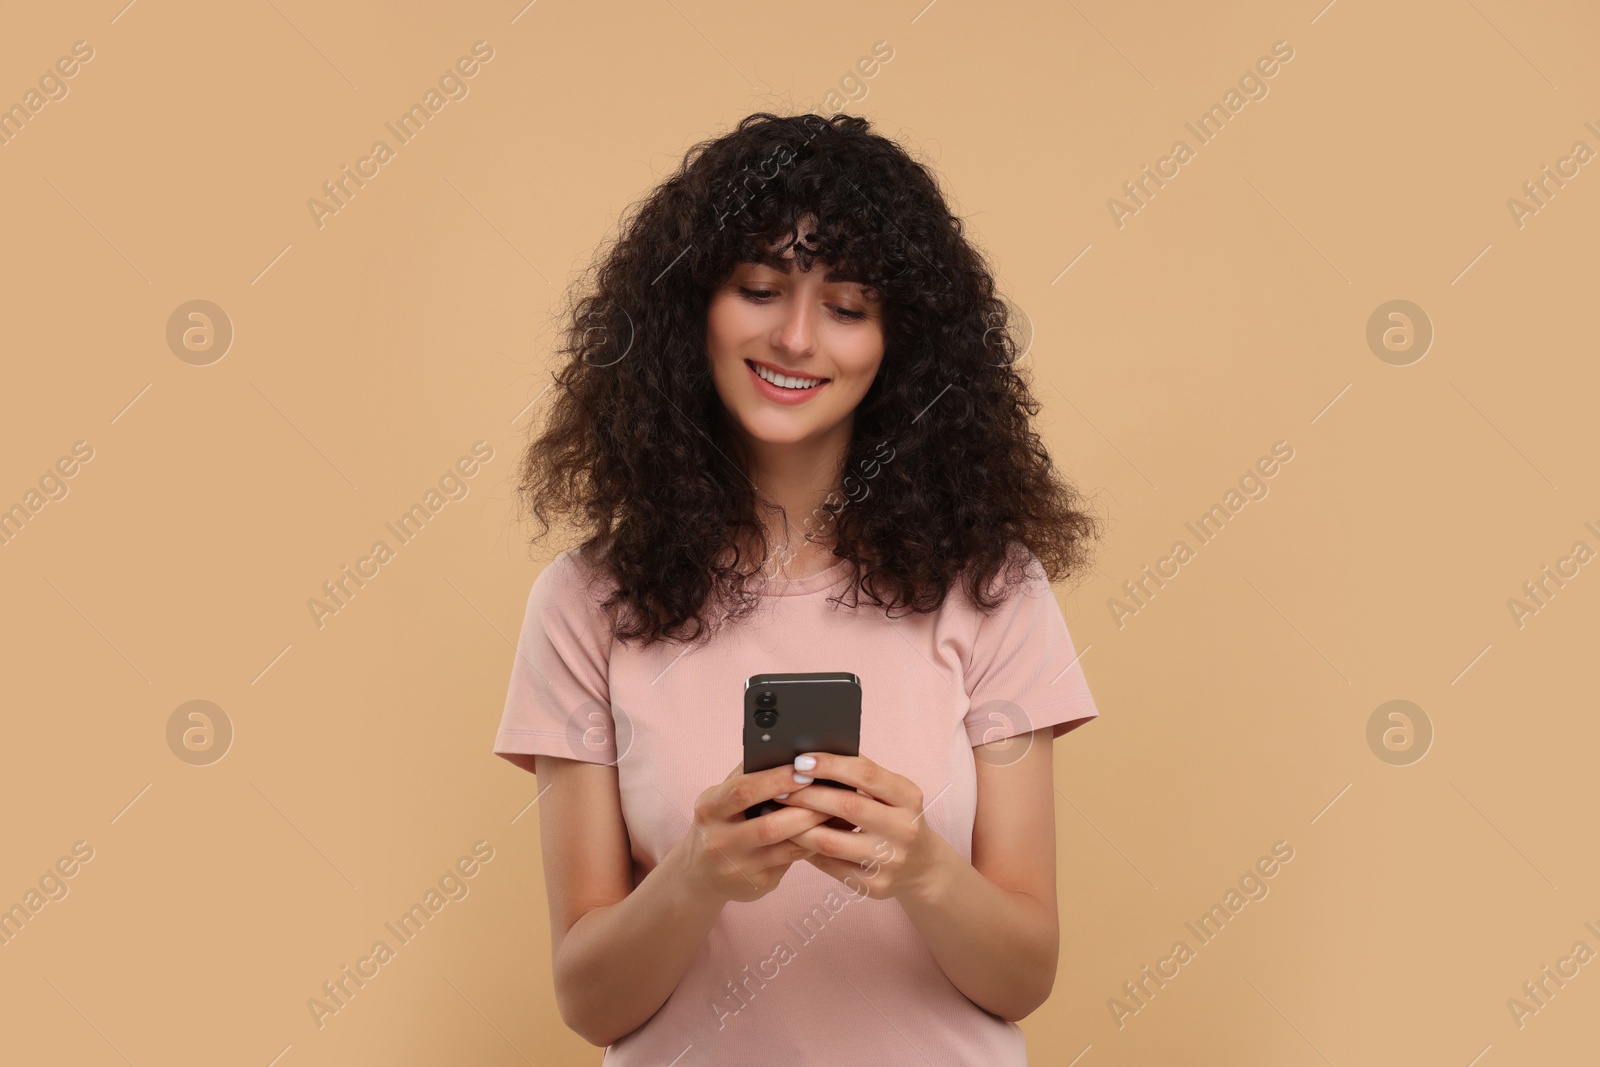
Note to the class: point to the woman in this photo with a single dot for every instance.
(791, 434)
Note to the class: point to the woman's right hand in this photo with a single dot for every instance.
(734, 858)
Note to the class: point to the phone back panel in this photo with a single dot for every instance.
(816, 712)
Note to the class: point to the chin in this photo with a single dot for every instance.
(779, 431)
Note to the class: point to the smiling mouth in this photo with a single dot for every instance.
(784, 381)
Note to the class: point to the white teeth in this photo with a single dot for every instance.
(784, 381)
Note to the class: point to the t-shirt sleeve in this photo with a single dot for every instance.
(558, 701)
(1025, 673)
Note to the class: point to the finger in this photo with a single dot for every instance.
(780, 854)
(847, 804)
(837, 844)
(861, 772)
(780, 825)
(742, 791)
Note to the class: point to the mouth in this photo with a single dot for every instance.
(783, 388)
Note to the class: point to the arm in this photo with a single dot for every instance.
(618, 951)
(992, 924)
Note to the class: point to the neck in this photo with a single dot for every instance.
(798, 477)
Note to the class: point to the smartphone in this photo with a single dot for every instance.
(787, 714)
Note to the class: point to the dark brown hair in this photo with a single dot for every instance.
(949, 475)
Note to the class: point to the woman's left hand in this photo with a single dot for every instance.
(896, 852)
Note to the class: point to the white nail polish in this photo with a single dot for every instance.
(802, 779)
(782, 795)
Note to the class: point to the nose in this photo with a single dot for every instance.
(797, 328)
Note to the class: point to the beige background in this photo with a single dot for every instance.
(1228, 314)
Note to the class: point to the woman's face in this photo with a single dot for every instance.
(798, 327)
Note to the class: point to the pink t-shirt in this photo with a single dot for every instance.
(812, 973)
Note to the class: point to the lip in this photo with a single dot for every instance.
(782, 396)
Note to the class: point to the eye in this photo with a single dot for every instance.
(761, 296)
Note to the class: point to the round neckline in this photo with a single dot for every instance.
(811, 583)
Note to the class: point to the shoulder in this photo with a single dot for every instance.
(572, 585)
(1020, 578)
(1017, 600)
(573, 569)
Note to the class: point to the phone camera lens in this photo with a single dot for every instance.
(766, 718)
(766, 699)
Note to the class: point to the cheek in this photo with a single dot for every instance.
(716, 329)
(862, 361)
(722, 315)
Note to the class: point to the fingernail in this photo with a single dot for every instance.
(782, 795)
(805, 763)
(802, 779)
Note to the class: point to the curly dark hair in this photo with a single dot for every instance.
(635, 451)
